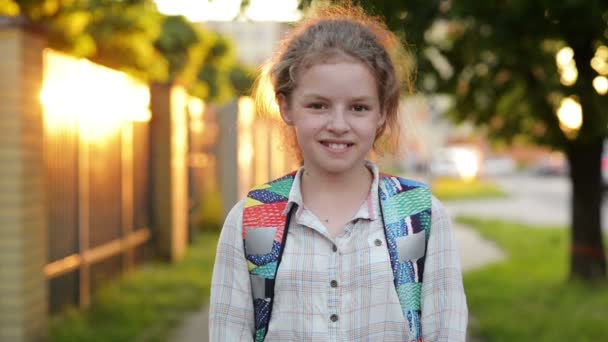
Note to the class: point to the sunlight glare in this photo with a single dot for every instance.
(467, 163)
(96, 98)
(225, 10)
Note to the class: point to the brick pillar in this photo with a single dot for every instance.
(169, 164)
(23, 227)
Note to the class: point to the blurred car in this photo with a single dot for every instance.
(498, 166)
(552, 164)
(458, 161)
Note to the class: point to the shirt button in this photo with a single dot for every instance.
(334, 283)
(378, 242)
(334, 248)
(333, 318)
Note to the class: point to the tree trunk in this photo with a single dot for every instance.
(588, 259)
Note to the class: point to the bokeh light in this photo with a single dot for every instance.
(570, 114)
(600, 83)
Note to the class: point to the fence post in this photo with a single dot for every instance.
(168, 145)
(23, 221)
(228, 155)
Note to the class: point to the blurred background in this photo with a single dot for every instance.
(127, 132)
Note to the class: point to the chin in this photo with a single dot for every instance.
(339, 166)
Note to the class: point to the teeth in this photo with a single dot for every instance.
(337, 146)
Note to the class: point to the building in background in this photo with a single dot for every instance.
(255, 40)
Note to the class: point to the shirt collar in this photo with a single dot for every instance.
(369, 209)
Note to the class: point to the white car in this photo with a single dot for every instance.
(460, 161)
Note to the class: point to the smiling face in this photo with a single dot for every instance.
(336, 112)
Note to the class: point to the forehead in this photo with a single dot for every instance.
(337, 76)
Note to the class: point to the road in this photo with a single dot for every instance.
(532, 199)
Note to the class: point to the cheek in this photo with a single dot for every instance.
(368, 129)
(309, 126)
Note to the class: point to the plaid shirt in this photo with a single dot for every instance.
(337, 289)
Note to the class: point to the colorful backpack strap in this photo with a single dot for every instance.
(264, 232)
(406, 213)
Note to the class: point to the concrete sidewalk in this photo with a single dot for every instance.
(475, 252)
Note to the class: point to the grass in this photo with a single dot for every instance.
(146, 304)
(527, 297)
(448, 189)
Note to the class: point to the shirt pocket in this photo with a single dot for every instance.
(378, 259)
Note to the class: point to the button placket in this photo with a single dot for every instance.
(333, 304)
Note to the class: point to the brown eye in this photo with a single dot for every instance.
(317, 106)
(360, 108)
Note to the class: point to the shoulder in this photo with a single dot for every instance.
(441, 221)
(279, 186)
(235, 216)
(438, 209)
(411, 183)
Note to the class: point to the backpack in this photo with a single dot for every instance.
(406, 214)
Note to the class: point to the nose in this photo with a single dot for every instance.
(337, 121)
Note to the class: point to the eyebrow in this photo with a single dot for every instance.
(311, 96)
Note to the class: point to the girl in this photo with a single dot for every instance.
(337, 251)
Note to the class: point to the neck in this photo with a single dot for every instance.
(319, 183)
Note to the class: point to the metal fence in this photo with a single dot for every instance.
(98, 209)
(96, 154)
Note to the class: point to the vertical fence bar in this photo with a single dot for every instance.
(84, 170)
(127, 190)
(168, 147)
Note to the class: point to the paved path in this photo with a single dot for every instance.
(540, 201)
(194, 328)
(475, 251)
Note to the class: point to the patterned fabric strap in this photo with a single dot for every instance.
(264, 232)
(406, 212)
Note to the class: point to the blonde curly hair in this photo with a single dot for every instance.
(331, 31)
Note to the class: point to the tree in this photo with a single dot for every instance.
(498, 60)
(132, 36)
(118, 34)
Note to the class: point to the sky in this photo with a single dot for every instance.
(222, 10)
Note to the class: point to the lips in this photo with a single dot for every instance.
(336, 146)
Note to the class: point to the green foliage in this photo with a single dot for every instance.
(242, 79)
(132, 36)
(125, 33)
(526, 297)
(218, 62)
(146, 304)
(447, 189)
(9, 8)
(211, 214)
(177, 38)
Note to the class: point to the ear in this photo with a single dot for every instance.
(284, 109)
